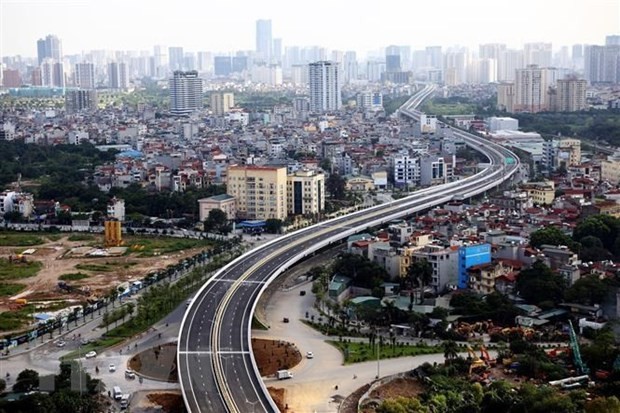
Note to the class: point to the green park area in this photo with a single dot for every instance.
(357, 352)
(17, 269)
(149, 247)
(16, 239)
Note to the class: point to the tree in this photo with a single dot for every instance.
(450, 350)
(273, 226)
(551, 236)
(335, 185)
(402, 405)
(603, 405)
(588, 290)
(27, 380)
(539, 284)
(217, 221)
(420, 272)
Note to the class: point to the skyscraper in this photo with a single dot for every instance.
(392, 59)
(49, 48)
(571, 95)
(264, 40)
(52, 73)
(531, 90)
(325, 86)
(85, 75)
(538, 54)
(185, 92)
(80, 100)
(175, 56)
(118, 76)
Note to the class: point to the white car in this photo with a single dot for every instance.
(129, 374)
(91, 354)
(112, 368)
(60, 344)
(309, 355)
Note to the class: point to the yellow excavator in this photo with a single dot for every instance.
(476, 362)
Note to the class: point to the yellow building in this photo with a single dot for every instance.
(113, 234)
(221, 103)
(360, 184)
(306, 192)
(572, 149)
(224, 202)
(610, 169)
(260, 191)
(542, 193)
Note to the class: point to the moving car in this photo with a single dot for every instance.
(60, 344)
(112, 368)
(91, 354)
(309, 355)
(129, 374)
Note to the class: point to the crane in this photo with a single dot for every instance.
(574, 344)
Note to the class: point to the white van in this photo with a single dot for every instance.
(117, 393)
(124, 401)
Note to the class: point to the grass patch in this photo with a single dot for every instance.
(105, 267)
(360, 352)
(9, 289)
(442, 109)
(17, 270)
(54, 237)
(13, 320)
(98, 345)
(149, 247)
(81, 237)
(12, 239)
(73, 276)
(257, 324)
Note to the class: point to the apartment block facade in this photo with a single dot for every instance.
(260, 191)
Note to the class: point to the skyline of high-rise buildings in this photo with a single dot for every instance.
(273, 63)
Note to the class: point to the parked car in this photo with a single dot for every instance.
(91, 354)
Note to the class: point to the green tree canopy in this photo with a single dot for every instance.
(588, 290)
(551, 236)
(217, 221)
(539, 284)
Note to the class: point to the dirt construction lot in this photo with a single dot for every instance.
(61, 257)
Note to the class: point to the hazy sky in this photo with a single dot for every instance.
(336, 24)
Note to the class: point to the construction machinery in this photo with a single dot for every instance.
(484, 355)
(476, 362)
(574, 345)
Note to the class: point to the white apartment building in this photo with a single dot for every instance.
(185, 92)
(306, 192)
(428, 123)
(531, 86)
(406, 171)
(116, 209)
(325, 86)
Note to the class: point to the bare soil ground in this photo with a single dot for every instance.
(158, 363)
(43, 286)
(170, 402)
(278, 397)
(274, 355)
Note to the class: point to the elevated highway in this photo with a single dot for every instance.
(217, 370)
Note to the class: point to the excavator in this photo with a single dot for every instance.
(476, 362)
(484, 355)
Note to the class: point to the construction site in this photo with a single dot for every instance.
(58, 272)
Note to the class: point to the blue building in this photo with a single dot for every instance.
(470, 256)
